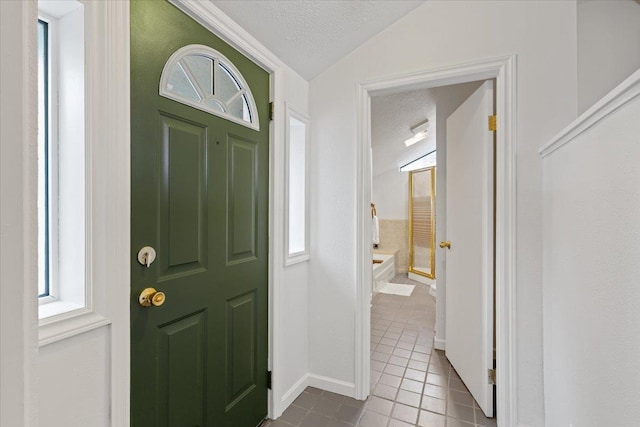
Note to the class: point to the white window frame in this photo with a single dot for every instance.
(75, 76)
(52, 71)
(304, 255)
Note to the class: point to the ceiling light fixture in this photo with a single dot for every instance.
(419, 132)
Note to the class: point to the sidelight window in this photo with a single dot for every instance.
(62, 197)
(44, 163)
(297, 188)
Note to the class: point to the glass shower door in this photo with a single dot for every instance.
(422, 222)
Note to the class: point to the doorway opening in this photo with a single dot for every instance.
(405, 368)
(503, 71)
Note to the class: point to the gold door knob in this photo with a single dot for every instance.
(149, 297)
(446, 244)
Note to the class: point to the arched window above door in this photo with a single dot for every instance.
(203, 78)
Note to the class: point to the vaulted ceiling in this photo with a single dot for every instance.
(392, 117)
(311, 35)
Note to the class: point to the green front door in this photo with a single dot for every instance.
(199, 197)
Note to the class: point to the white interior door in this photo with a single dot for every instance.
(470, 224)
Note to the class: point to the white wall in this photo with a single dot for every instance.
(608, 46)
(439, 33)
(591, 271)
(390, 192)
(292, 316)
(74, 381)
(448, 99)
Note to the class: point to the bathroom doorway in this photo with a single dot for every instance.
(504, 72)
(406, 368)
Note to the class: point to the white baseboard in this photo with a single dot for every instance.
(292, 394)
(330, 384)
(439, 343)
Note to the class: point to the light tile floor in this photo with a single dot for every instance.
(412, 384)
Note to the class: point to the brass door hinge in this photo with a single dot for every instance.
(271, 107)
(492, 376)
(492, 123)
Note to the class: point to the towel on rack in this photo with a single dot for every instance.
(375, 230)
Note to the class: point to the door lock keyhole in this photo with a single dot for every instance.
(146, 256)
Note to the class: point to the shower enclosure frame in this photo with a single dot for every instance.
(432, 240)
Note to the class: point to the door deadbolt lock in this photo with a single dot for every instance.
(146, 256)
(446, 244)
(149, 297)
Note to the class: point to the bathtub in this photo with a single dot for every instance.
(384, 271)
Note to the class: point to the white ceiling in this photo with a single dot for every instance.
(311, 35)
(392, 117)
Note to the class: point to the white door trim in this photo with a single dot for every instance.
(503, 69)
(18, 215)
(222, 26)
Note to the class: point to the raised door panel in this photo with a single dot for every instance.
(183, 197)
(242, 356)
(242, 200)
(181, 371)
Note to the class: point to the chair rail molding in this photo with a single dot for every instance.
(622, 94)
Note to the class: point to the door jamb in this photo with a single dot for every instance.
(224, 27)
(503, 69)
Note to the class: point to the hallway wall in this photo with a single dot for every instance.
(591, 269)
(608, 47)
(439, 33)
(292, 317)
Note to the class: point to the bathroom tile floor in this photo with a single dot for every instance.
(412, 384)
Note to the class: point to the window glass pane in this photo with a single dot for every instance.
(43, 160)
(201, 69)
(235, 107)
(227, 86)
(180, 84)
(297, 186)
(214, 104)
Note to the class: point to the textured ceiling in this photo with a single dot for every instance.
(392, 117)
(312, 35)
